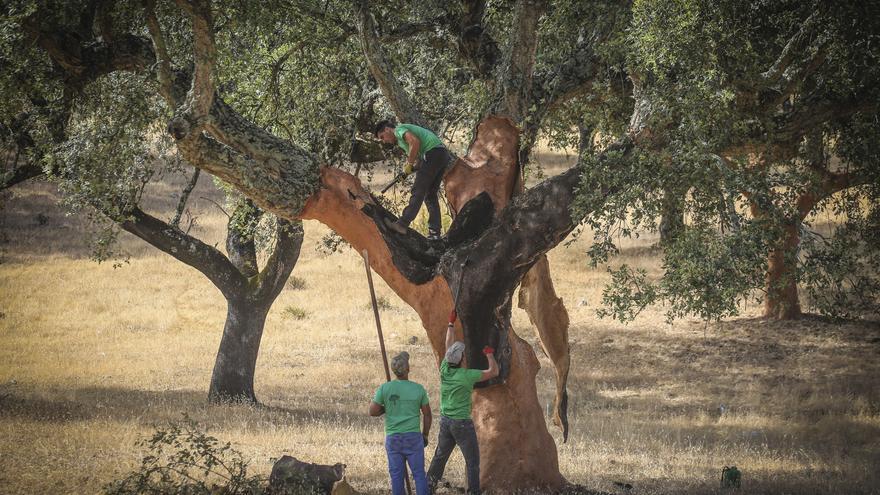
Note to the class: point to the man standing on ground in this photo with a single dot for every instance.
(456, 425)
(401, 401)
(420, 145)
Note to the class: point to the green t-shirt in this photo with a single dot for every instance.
(402, 400)
(456, 385)
(428, 140)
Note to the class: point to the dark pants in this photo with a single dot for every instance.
(403, 449)
(425, 188)
(459, 432)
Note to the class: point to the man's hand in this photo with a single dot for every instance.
(408, 169)
(425, 438)
(488, 350)
(453, 315)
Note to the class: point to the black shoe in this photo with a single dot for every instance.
(434, 236)
(395, 227)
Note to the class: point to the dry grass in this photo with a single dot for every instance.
(93, 358)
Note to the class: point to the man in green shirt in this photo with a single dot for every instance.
(420, 145)
(401, 401)
(456, 425)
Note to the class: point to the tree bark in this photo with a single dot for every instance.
(233, 375)
(781, 301)
(671, 216)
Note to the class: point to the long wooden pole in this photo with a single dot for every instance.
(382, 345)
(376, 314)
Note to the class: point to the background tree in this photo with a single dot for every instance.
(769, 114)
(97, 154)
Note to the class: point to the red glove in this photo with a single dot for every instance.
(488, 350)
(452, 316)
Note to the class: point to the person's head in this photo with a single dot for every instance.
(400, 365)
(455, 353)
(385, 132)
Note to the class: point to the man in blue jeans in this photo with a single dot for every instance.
(401, 401)
(456, 425)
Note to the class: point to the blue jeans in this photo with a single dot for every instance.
(403, 449)
(459, 432)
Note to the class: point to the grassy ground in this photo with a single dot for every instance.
(94, 358)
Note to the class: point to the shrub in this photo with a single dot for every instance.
(183, 459)
(296, 283)
(294, 313)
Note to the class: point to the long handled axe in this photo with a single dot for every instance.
(382, 344)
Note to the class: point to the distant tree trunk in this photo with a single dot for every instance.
(233, 376)
(249, 292)
(782, 302)
(672, 216)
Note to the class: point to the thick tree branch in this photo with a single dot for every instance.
(85, 62)
(20, 174)
(205, 56)
(514, 87)
(790, 50)
(401, 103)
(475, 44)
(164, 61)
(288, 241)
(184, 197)
(187, 249)
(240, 246)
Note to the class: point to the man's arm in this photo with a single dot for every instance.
(376, 409)
(492, 372)
(426, 422)
(450, 335)
(414, 146)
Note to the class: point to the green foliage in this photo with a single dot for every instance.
(841, 273)
(707, 274)
(750, 151)
(181, 458)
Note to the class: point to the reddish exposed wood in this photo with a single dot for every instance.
(491, 166)
(517, 451)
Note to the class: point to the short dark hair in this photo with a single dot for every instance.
(382, 125)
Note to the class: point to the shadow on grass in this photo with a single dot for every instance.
(153, 407)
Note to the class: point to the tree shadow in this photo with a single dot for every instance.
(152, 407)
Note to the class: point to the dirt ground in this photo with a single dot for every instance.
(94, 358)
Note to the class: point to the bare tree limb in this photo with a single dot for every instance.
(164, 61)
(401, 103)
(288, 241)
(790, 50)
(205, 56)
(514, 87)
(187, 249)
(184, 196)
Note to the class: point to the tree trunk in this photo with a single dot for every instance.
(672, 216)
(233, 375)
(782, 302)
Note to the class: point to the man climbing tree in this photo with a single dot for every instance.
(429, 158)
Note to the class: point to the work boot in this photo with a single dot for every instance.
(433, 235)
(395, 226)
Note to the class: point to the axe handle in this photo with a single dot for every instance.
(397, 179)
